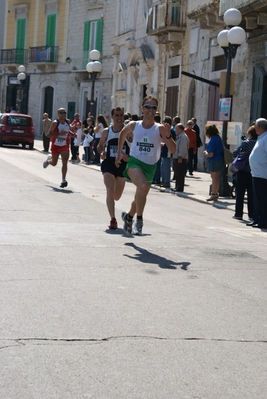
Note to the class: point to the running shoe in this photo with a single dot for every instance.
(113, 224)
(64, 184)
(46, 163)
(138, 227)
(128, 224)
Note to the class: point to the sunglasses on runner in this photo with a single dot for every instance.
(148, 106)
(62, 112)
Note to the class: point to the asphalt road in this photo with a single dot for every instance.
(90, 313)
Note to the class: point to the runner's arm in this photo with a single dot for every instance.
(102, 141)
(126, 131)
(51, 131)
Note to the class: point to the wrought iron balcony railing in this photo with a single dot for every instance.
(43, 54)
(14, 56)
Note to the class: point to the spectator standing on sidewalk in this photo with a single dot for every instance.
(46, 126)
(88, 138)
(165, 165)
(113, 176)
(13, 110)
(88, 121)
(101, 124)
(72, 146)
(175, 120)
(78, 140)
(192, 150)
(180, 157)
(147, 136)
(215, 159)
(195, 127)
(258, 166)
(244, 178)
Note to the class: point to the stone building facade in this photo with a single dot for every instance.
(167, 48)
(206, 59)
(51, 39)
(147, 53)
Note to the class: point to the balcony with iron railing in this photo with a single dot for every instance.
(166, 17)
(13, 56)
(43, 54)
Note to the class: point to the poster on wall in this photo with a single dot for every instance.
(234, 132)
(224, 109)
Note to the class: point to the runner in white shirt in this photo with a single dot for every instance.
(145, 151)
(113, 176)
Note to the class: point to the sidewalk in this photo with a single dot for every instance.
(197, 187)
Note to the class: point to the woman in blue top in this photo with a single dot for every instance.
(215, 160)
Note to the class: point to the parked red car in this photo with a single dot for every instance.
(16, 129)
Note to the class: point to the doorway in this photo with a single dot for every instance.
(48, 101)
(213, 102)
(258, 96)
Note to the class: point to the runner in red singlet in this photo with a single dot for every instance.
(60, 134)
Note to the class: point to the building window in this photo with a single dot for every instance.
(20, 40)
(51, 23)
(219, 63)
(174, 72)
(193, 43)
(92, 38)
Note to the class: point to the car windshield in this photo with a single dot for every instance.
(18, 121)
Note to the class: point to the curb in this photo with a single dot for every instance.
(216, 204)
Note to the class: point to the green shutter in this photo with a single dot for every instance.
(86, 38)
(51, 22)
(99, 35)
(20, 40)
(51, 29)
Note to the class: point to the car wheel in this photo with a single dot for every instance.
(1, 143)
(31, 146)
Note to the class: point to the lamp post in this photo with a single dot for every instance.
(229, 39)
(21, 77)
(93, 68)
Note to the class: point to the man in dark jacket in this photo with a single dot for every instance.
(199, 141)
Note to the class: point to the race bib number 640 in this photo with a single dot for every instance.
(144, 147)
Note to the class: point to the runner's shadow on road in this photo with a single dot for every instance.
(121, 232)
(145, 256)
(61, 190)
(114, 231)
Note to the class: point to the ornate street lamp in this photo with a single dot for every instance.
(229, 39)
(93, 68)
(21, 77)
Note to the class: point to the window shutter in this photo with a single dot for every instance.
(51, 29)
(96, 41)
(99, 35)
(51, 21)
(86, 39)
(20, 40)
